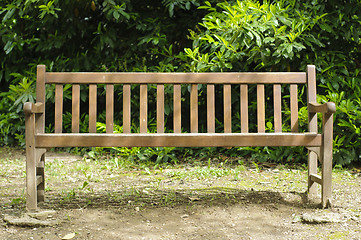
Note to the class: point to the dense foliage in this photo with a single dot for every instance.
(185, 35)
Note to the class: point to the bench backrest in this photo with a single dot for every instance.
(293, 79)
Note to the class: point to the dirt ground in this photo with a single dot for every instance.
(99, 200)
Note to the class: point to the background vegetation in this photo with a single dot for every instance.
(185, 35)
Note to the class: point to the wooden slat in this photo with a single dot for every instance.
(160, 108)
(40, 172)
(311, 97)
(244, 108)
(211, 109)
(326, 160)
(277, 103)
(312, 127)
(312, 169)
(40, 97)
(316, 178)
(294, 107)
(178, 140)
(260, 108)
(75, 116)
(126, 108)
(58, 108)
(92, 108)
(143, 114)
(39, 179)
(194, 108)
(227, 107)
(177, 114)
(31, 194)
(109, 108)
(175, 78)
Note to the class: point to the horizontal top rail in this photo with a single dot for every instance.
(175, 78)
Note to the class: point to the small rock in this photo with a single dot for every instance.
(41, 214)
(323, 217)
(27, 221)
(193, 198)
(185, 216)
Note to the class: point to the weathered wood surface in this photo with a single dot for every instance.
(319, 144)
(75, 115)
(160, 108)
(175, 78)
(126, 108)
(211, 109)
(178, 140)
(261, 122)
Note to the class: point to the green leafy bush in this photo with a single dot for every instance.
(114, 35)
(84, 35)
(248, 36)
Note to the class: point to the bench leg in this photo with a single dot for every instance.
(40, 158)
(31, 188)
(312, 169)
(327, 160)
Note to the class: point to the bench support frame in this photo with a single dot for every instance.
(318, 144)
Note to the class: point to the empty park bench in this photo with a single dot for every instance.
(318, 143)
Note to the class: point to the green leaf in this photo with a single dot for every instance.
(325, 27)
(85, 184)
(285, 21)
(8, 47)
(125, 14)
(289, 48)
(268, 39)
(171, 9)
(273, 9)
(8, 14)
(116, 15)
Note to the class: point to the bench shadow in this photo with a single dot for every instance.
(213, 196)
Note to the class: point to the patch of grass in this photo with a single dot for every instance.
(338, 235)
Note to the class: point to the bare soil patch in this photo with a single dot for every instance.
(96, 199)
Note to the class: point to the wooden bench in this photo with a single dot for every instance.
(318, 144)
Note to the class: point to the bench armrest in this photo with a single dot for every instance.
(328, 107)
(30, 108)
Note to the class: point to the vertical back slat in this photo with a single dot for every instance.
(75, 101)
(244, 108)
(260, 108)
(160, 108)
(143, 115)
(92, 108)
(177, 94)
(194, 108)
(227, 108)
(277, 101)
(109, 108)
(126, 108)
(40, 97)
(58, 108)
(211, 128)
(312, 127)
(311, 97)
(294, 107)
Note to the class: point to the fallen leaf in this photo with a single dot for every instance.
(68, 236)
